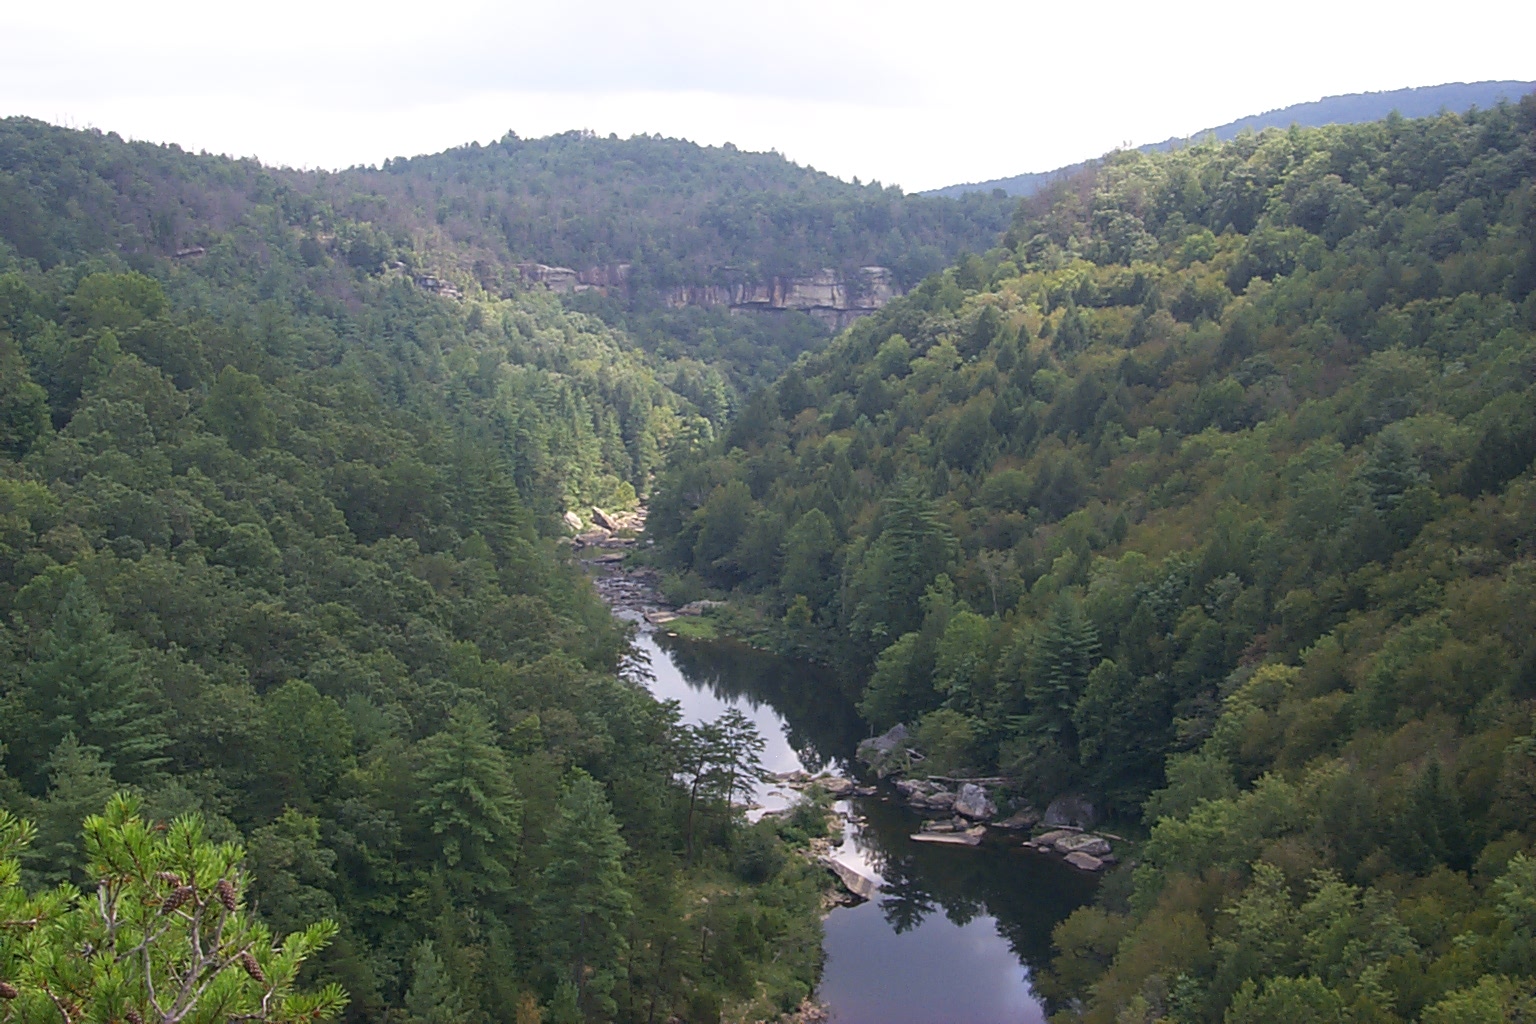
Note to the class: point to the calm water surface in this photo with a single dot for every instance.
(952, 934)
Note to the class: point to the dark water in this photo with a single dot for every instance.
(952, 934)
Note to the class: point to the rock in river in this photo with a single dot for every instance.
(836, 786)
(886, 753)
(972, 802)
(970, 837)
(860, 885)
(1026, 818)
(1083, 842)
(1086, 862)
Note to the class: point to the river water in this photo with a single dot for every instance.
(954, 930)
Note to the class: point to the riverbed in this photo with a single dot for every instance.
(954, 931)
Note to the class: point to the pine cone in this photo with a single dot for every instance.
(9, 991)
(252, 967)
(226, 892)
(176, 899)
(171, 877)
(132, 1016)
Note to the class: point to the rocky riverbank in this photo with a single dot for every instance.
(963, 812)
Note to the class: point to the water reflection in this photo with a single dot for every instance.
(819, 719)
(953, 930)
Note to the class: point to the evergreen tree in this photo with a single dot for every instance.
(584, 901)
(88, 681)
(886, 585)
(468, 800)
(80, 783)
(1063, 658)
(432, 998)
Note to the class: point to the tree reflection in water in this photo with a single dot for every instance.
(1025, 892)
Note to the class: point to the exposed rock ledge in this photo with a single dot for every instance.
(827, 295)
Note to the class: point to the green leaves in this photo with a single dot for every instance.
(164, 937)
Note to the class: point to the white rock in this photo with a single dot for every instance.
(972, 802)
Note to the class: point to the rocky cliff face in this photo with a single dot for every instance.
(564, 280)
(827, 295)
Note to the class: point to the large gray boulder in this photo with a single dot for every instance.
(887, 753)
(1084, 861)
(1070, 810)
(1083, 842)
(972, 802)
(894, 737)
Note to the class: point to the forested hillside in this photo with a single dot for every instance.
(275, 550)
(681, 213)
(676, 215)
(1209, 496)
(1352, 108)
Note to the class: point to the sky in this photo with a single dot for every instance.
(918, 95)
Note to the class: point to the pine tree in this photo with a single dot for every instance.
(887, 585)
(1064, 656)
(432, 998)
(584, 897)
(469, 800)
(88, 681)
(80, 783)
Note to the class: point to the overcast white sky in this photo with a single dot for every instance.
(919, 95)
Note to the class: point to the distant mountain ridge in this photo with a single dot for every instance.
(1351, 108)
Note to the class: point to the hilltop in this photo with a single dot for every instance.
(1351, 108)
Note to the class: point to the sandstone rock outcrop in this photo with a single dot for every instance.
(565, 280)
(826, 295)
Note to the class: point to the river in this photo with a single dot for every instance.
(954, 930)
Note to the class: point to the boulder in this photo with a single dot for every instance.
(970, 837)
(1021, 819)
(1070, 810)
(943, 800)
(972, 802)
(836, 786)
(1083, 842)
(573, 521)
(1086, 862)
(859, 885)
(1048, 839)
(603, 519)
(894, 737)
(699, 607)
(887, 753)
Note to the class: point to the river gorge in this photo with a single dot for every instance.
(952, 932)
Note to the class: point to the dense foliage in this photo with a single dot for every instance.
(680, 213)
(1351, 108)
(163, 936)
(1208, 495)
(275, 550)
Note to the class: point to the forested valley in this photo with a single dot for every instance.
(1201, 489)
(280, 566)
(1206, 495)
